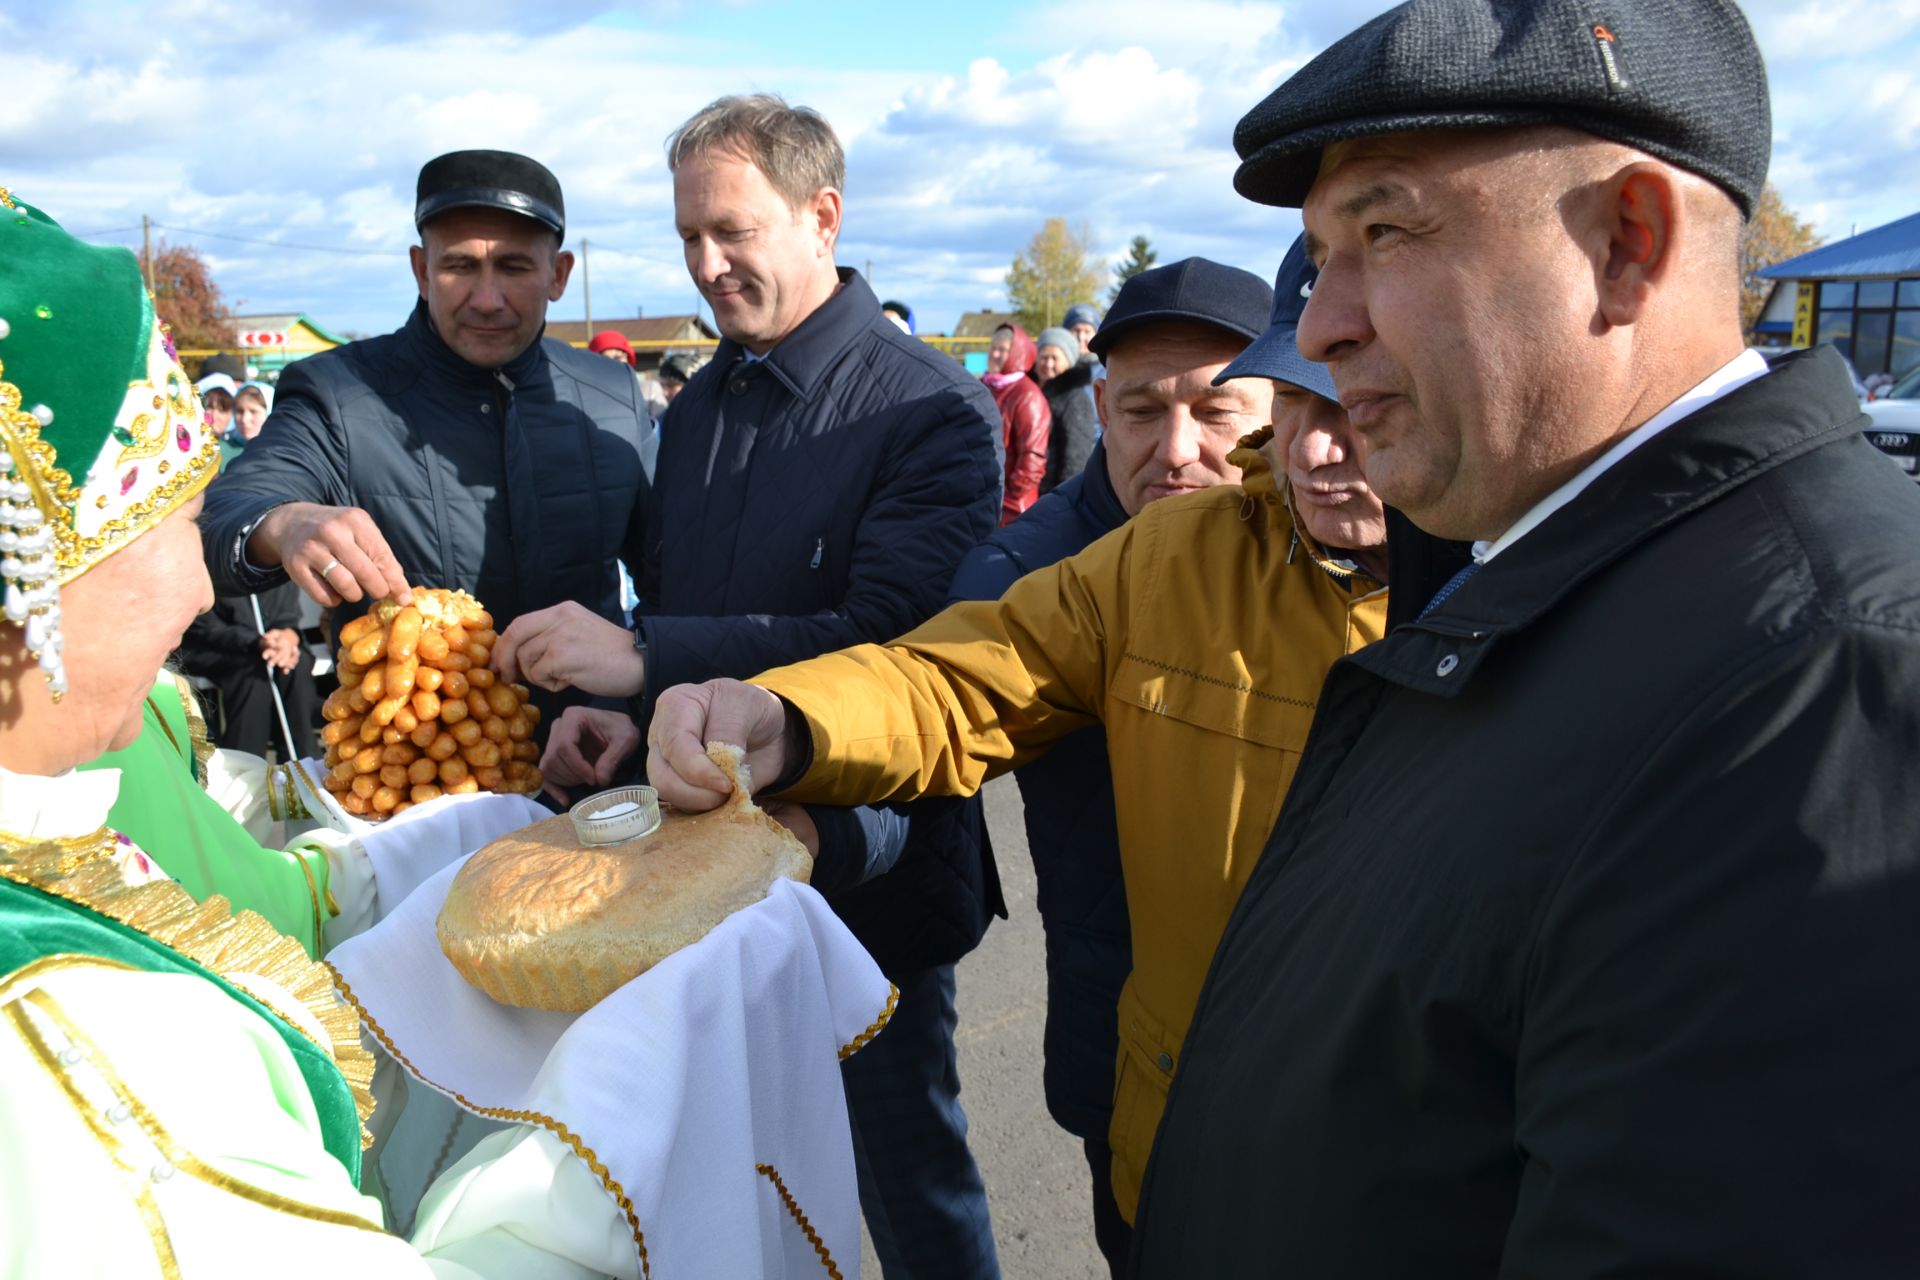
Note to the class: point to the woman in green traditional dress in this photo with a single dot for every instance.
(185, 1094)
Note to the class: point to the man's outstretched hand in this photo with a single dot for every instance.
(570, 647)
(585, 750)
(689, 716)
(333, 554)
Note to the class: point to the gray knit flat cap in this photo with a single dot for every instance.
(1678, 79)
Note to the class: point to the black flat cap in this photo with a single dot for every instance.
(1191, 289)
(490, 180)
(1678, 79)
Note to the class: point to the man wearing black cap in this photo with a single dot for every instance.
(1194, 634)
(463, 450)
(1584, 943)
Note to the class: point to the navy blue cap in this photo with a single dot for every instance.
(1192, 289)
(1276, 353)
(489, 180)
(1081, 313)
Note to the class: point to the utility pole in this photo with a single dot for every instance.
(146, 243)
(586, 286)
(869, 273)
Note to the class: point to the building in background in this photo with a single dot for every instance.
(270, 343)
(978, 326)
(1861, 294)
(654, 338)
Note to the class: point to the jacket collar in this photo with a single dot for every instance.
(1096, 489)
(1805, 401)
(446, 362)
(802, 359)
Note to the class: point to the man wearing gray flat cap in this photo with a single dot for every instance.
(465, 450)
(1584, 944)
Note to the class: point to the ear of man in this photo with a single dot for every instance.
(1644, 219)
(826, 210)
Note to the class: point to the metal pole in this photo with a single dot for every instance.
(146, 243)
(273, 685)
(586, 286)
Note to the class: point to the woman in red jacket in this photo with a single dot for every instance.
(1024, 416)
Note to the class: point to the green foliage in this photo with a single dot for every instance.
(1056, 271)
(1774, 234)
(1141, 256)
(187, 298)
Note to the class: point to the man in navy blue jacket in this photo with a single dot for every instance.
(817, 485)
(1170, 331)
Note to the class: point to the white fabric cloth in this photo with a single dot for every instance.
(721, 1059)
(237, 781)
(72, 804)
(373, 866)
(1729, 377)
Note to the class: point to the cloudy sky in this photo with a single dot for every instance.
(966, 126)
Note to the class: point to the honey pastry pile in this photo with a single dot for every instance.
(419, 714)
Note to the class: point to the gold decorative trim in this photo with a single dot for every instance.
(182, 1159)
(806, 1228)
(859, 1042)
(549, 1123)
(211, 934)
(54, 492)
(313, 895)
(153, 432)
(138, 1185)
(196, 725)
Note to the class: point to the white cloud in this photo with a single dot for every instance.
(310, 125)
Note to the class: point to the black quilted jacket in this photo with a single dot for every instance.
(522, 485)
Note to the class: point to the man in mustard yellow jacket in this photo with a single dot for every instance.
(1198, 633)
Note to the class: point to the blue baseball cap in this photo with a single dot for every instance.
(1276, 353)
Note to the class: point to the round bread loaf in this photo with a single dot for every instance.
(538, 920)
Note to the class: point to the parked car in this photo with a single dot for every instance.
(1894, 424)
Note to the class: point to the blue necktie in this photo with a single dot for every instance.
(1453, 584)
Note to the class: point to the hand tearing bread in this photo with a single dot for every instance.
(538, 920)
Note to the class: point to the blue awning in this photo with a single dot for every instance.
(1892, 250)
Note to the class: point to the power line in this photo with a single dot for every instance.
(278, 244)
(110, 231)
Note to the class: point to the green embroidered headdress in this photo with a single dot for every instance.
(104, 437)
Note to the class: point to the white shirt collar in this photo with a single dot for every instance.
(1729, 377)
(72, 804)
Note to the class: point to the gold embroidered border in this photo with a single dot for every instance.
(806, 1228)
(196, 725)
(183, 1160)
(859, 1042)
(551, 1125)
(313, 893)
(138, 1186)
(211, 934)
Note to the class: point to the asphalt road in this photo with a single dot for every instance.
(1035, 1173)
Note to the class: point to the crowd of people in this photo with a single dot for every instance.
(1454, 691)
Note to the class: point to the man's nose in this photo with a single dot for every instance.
(1335, 320)
(487, 294)
(1179, 440)
(709, 264)
(1318, 443)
